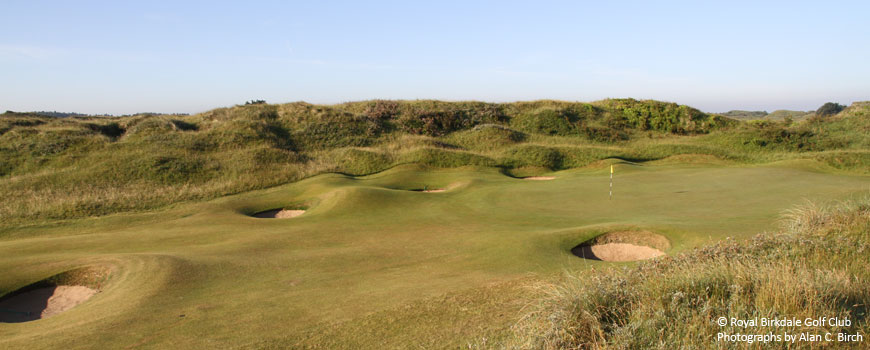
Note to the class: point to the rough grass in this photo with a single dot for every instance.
(63, 168)
(817, 266)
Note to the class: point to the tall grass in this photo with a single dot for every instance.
(59, 168)
(817, 266)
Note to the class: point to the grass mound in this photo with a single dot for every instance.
(822, 255)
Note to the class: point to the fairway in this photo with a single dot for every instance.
(209, 274)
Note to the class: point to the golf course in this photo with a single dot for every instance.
(412, 224)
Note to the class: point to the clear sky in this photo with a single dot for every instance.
(189, 56)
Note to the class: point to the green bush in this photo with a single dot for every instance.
(660, 116)
(604, 134)
(546, 121)
(382, 109)
(829, 108)
(533, 156)
(338, 130)
(436, 118)
(442, 158)
(486, 137)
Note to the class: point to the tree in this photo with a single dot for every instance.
(829, 108)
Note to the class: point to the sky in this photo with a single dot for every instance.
(121, 57)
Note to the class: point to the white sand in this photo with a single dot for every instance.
(539, 178)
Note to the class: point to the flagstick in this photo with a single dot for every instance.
(611, 181)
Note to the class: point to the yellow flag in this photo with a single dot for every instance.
(611, 168)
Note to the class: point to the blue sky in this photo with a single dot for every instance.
(123, 57)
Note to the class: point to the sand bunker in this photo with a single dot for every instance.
(437, 189)
(42, 302)
(623, 246)
(430, 190)
(279, 214)
(616, 252)
(539, 178)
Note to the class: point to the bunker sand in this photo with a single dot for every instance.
(617, 252)
(43, 302)
(279, 214)
(626, 245)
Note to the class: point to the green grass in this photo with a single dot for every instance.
(67, 168)
(163, 202)
(371, 259)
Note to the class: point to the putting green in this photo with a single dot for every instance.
(204, 275)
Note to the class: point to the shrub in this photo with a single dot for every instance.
(534, 156)
(382, 109)
(430, 123)
(660, 116)
(547, 121)
(110, 130)
(604, 134)
(829, 108)
(487, 137)
(445, 158)
(334, 130)
(435, 118)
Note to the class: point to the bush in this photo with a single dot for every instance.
(800, 137)
(660, 116)
(604, 134)
(430, 123)
(338, 130)
(110, 130)
(435, 118)
(547, 121)
(382, 109)
(829, 108)
(445, 158)
(533, 156)
(487, 137)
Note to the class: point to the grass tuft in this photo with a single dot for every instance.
(822, 255)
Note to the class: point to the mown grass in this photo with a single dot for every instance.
(372, 263)
(817, 266)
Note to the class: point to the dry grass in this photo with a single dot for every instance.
(61, 168)
(818, 266)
